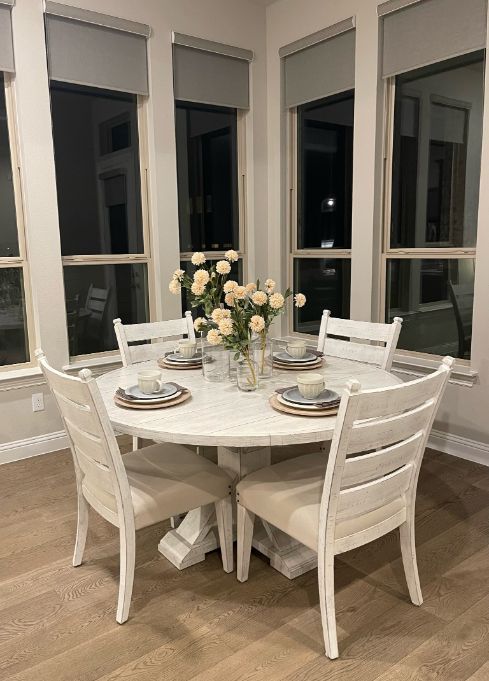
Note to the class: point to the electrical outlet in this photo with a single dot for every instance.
(37, 402)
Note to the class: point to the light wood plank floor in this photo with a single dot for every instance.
(57, 623)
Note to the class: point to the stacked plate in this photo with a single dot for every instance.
(311, 360)
(290, 401)
(132, 397)
(174, 360)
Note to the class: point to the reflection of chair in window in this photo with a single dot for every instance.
(72, 319)
(94, 311)
(462, 299)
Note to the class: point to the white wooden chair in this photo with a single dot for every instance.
(137, 490)
(353, 340)
(151, 331)
(365, 489)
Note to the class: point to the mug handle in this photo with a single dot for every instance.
(159, 386)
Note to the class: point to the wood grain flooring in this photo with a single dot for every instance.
(57, 623)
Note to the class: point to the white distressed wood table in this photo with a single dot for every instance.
(243, 427)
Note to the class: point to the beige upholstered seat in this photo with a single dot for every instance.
(288, 496)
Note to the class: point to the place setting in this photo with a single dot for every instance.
(185, 356)
(309, 397)
(151, 392)
(296, 356)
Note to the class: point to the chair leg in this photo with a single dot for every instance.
(408, 551)
(81, 529)
(136, 443)
(224, 514)
(245, 521)
(327, 604)
(126, 579)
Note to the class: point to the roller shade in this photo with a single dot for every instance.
(6, 46)
(210, 73)
(320, 65)
(416, 33)
(89, 48)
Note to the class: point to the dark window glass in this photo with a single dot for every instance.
(437, 154)
(236, 274)
(97, 294)
(96, 149)
(207, 173)
(14, 347)
(435, 300)
(325, 171)
(9, 243)
(326, 284)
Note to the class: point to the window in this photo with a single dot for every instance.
(321, 219)
(431, 214)
(14, 335)
(210, 179)
(102, 215)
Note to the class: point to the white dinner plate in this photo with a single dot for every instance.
(176, 358)
(293, 396)
(309, 407)
(167, 391)
(284, 357)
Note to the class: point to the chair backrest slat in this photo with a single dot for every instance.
(369, 342)
(151, 331)
(375, 493)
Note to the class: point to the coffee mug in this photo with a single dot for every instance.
(149, 381)
(310, 385)
(187, 348)
(296, 349)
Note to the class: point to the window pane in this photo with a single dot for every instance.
(437, 154)
(96, 149)
(325, 172)
(326, 284)
(97, 294)
(9, 244)
(14, 345)
(236, 274)
(207, 173)
(435, 300)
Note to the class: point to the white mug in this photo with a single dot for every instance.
(296, 349)
(310, 385)
(187, 348)
(149, 381)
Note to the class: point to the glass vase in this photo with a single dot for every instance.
(263, 356)
(247, 375)
(215, 362)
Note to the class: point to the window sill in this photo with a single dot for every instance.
(97, 365)
(410, 365)
(21, 378)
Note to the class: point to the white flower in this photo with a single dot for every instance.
(276, 301)
(229, 299)
(174, 287)
(178, 274)
(257, 323)
(223, 267)
(259, 298)
(240, 292)
(219, 313)
(226, 326)
(197, 288)
(300, 299)
(270, 286)
(231, 255)
(214, 337)
(201, 277)
(250, 288)
(199, 323)
(198, 258)
(230, 285)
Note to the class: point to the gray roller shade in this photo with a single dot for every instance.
(427, 31)
(88, 48)
(316, 67)
(211, 73)
(6, 46)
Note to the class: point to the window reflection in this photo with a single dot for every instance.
(9, 244)
(14, 347)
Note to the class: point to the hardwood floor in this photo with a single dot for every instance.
(57, 623)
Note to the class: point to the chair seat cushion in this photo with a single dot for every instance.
(168, 479)
(288, 496)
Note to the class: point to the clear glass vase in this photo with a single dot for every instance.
(263, 356)
(215, 362)
(247, 374)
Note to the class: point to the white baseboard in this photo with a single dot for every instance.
(32, 446)
(462, 447)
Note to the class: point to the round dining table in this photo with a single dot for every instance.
(243, 427)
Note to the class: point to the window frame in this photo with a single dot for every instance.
(388, 253)
(144, 258)
(21, 261)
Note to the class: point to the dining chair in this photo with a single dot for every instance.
(350, 339)
(363, 490)
(137, 490)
